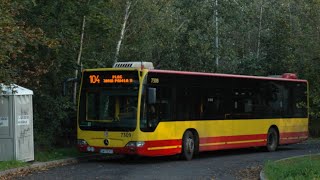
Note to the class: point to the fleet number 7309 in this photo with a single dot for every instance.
(125, 134)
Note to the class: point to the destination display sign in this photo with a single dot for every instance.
(113, 79)
(104, 78)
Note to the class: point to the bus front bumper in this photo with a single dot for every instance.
(139, 148)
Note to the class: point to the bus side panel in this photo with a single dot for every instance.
(295, 131)
(222, 134)
(291, 130)
(213, 135)
(163, 141)
(231, 134)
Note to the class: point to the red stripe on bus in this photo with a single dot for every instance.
(159, 152)
(231, 146)
(232, 138)
(293, 137)
(160, 147)
(172, 147)
(293, 134)
(158, 143)
(292, 141)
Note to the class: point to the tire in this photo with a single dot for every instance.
(188, 145)
(272, 140)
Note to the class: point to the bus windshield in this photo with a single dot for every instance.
(112, 110)
(109, 101)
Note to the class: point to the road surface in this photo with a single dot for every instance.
(230, 164)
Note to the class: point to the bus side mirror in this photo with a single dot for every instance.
(152, 95)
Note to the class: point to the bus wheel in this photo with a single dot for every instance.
(188, 145)
(272, 140)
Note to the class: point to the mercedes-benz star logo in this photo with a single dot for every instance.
(106, 142)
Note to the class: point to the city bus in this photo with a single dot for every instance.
(134, 109)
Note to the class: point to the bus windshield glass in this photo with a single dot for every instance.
(109, 102)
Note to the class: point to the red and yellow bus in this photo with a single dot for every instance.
(148, 112)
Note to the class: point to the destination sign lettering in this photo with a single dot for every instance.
(112, 79)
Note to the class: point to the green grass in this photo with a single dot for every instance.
(55, 154)
(307, 167)
(42, 156)
(11, 164)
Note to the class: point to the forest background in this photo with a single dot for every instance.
(43, 43)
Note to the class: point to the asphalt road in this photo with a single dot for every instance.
(230, 164)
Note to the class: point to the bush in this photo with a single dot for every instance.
(54, 119)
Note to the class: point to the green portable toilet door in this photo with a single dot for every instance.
(6, 129)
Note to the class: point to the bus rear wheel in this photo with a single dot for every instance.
(272, 140)
(188, 145)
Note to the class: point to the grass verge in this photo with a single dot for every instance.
(307, 167)
(42, 156)
(55, 154)
(11, 164)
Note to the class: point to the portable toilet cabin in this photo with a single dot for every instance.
(16, 123)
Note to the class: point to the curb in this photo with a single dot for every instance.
(263, 176)
(44, 165)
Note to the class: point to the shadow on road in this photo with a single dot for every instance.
(134, 160)
(233, 152)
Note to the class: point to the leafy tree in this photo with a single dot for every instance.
(40, 41)
(17, 40)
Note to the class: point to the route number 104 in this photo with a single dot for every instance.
(94, 79)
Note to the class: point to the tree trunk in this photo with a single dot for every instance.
(126, 16)
(217, 34)
(259, 31)
(78, 60)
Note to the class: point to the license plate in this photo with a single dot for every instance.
(106, 151)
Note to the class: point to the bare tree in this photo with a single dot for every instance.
(259, 30)
(79, 59)
(125, 20)
(217, 33)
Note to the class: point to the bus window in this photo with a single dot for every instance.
(297, 100)
(152, 116)
(162, 105)
(153, 113)
(275, 100)
(99, 106)
(242, 99)
(109, 109)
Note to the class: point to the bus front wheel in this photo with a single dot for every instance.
(188, 145)
(272, 140)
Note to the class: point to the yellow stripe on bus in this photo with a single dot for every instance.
(212, 144)
(163, 147)
(301, 137)
(232, 142)
(247, 141)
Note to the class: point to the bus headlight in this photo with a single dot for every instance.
(82, 142)
(135, 144)
(140, 143)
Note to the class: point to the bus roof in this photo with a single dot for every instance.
(225, 75)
